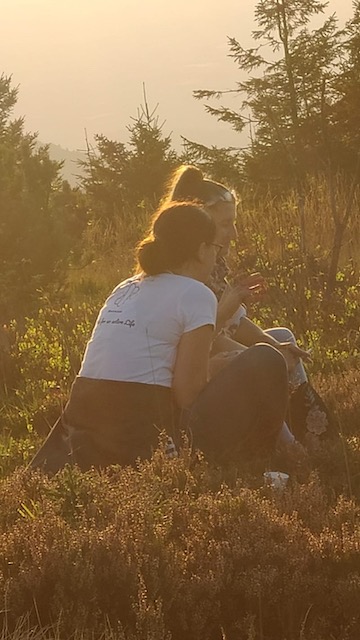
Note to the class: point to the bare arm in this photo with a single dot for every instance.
(249, 333)
(192, 364)
(233, 296)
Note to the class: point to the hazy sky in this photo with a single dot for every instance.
(81, 64)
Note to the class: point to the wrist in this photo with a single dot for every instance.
(221, 320)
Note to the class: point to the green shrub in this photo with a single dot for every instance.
(45, 357)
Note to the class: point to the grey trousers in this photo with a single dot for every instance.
(283, 334)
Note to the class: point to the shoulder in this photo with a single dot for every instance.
(198, 305)
(180, 286)
(129, 281)
(195, 289)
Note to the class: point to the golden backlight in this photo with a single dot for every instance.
(81, 64)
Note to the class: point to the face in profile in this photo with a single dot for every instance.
(224, 216)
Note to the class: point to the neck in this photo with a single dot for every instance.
(188, 270)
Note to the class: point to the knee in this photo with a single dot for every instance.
(268, 359)
(282, 334)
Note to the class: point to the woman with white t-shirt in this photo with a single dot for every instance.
(146, 364)
(148, 354)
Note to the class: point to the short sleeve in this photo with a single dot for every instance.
(238, 315)
(198, 306)
(232, 324)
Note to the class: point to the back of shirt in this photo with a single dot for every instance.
(138, 329)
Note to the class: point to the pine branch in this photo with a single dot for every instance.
(247, 59)
(200, 94)
(228, 115)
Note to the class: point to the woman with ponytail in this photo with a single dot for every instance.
(234, 330)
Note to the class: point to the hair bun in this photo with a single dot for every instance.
(151, 256)
(189, 184)
(177, 233)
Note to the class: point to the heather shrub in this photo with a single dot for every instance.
(169, 551)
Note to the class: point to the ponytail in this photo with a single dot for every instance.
(188, 183)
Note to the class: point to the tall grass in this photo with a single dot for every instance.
(108, 255)
(276, 218)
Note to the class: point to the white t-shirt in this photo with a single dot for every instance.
(138, 330)
(232, 324)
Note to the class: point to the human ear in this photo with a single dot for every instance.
(201, 253)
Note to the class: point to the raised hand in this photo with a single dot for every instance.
(244, 289)
(252, 285)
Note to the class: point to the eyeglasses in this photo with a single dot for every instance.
(218, 247)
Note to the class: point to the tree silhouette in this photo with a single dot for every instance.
(120, 177)
(33, 229)
(299, 104)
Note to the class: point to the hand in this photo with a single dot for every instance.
(218, 362)
(253, 285)
(292, 354)
(234, 295)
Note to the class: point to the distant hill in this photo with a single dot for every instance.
(71, 169)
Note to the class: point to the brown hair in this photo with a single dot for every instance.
(177, 233)
(188, 183)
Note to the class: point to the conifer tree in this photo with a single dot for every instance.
(33, 237)
(120, 177)
(298, 80)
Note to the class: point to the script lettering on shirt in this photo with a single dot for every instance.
(127, 323)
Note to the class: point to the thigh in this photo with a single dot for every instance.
(133, 440)
(243, 407)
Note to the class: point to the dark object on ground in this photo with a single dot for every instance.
(308, 417)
